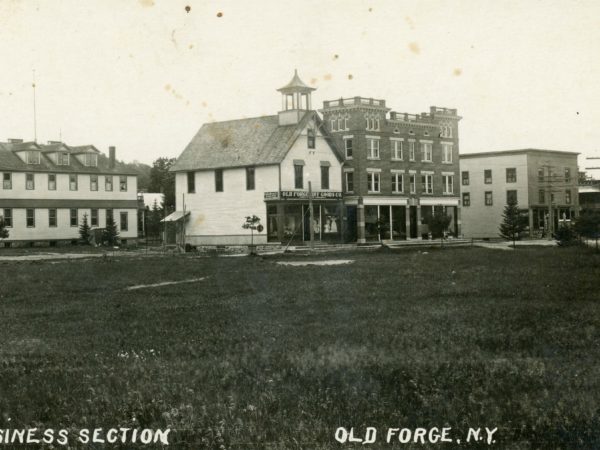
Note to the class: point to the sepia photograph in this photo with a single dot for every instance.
(299, 224)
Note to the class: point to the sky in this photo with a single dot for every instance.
(144, 75)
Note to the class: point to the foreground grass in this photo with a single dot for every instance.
(260, 355)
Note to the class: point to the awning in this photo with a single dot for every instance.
(175, 216)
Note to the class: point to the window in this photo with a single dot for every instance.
(7, 180)
(397, 149)
(218, 180)
(447, 153)
(52, 217)
(466, 199)
(426, 152)
(346, 122)
(427, 182)
(340, 125)
(397, 182)
(446, 130)
(191, 182)
(488, 198)
(511, 175)
(413, 183)
(91, 160)
(373, 146)
(94, 218)
(411, 150)
(348, 147)
(73, 218)
(333, 124)
(298, 176)
(349, 181)
(487, 176)
(324, 177)
(30, 217)
(541, 175)
(250, 182)
(73, 182)
(567, 175)
(109, 217)
(123, 183)
(372, 122)
(108, 183)
(51, 181)
(62, 159)
(373, 179)
(93, 182)
(465, 178)
(8, 217)
(541, 196)
(568, 196)
(448, 184)
(33, 157)
(29, 181)
(511, 197)
(310, 136)
(124, 221)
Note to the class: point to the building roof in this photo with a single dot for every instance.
(245, 142)
(10, 161)
(295, 85)
(515, 152)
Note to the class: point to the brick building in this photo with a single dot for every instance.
(398, 168)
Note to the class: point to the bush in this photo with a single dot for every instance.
(565, 236)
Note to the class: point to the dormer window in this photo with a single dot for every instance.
(91, 160)
(33, 157)
(63, 159)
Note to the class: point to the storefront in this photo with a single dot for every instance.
(289, 219)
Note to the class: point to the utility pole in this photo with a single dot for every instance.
(34, 110)
(310, 212)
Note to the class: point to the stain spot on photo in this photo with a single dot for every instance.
(146, 3)
(327, 77)
(188, 8)
(350, 76)
(313, 81)
(414, 47)
(457, 72)
(219, 14)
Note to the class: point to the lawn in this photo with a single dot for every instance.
(260, 355)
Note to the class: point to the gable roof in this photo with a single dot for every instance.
(245, 142)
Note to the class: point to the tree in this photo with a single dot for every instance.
(163, 181)
(111, 234)
(153, 224)
(252, 223)
(3, 230)
(513, 222)
(587, 225)
(84, 230)
(438, 223)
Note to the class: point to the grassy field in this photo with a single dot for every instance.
(259, 355)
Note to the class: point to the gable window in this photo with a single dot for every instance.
(72, 182)
(7, 180)
(51, 181)
(30, 217)
(219, 180)
(568, 196)
(91, 160)
(411, 150)
(124, 221)
(250, 181)
(191, 182)
(109, 217)
(373, 146)
(446, 153)
(298, 176)
(94, 217)
(93, 182)
(348, 147)
(52, 217)
(466, 199)
(412, 180)
(8, 217)
(349, 181)
(123, 183)
(62, 159)
(373, 181)
(427, 182)
(324, 177)
(465, 178)
(29, 181)
(73, 217)
(397, 149)
(448, 184)
(487, 176)
(33, 157)
(397, 182)
(426, 152)
(488, 198)
(108, 183)
(511, 197)
(567, 175)
(310, 136)
(511, 175)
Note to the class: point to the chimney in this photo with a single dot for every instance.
(15, 141)
(111, 157)
(54, 142)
